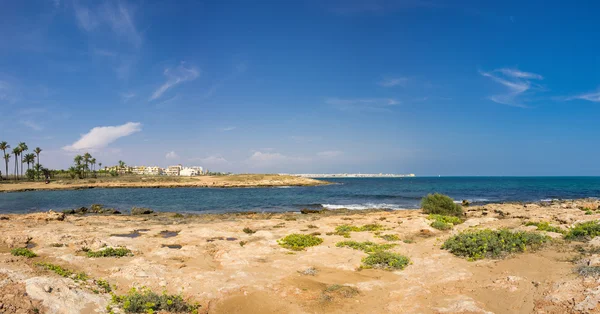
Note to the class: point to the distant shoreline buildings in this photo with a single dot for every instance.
(177, 170)
(351, 175)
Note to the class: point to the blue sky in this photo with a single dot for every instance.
(407, 86)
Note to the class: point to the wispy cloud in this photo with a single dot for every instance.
(116, 16)
(363, 105)
(175, 76)
(211, 161)
(517, 82)
(592, 96)
(227, 129)
(171, 155)
(391, 82)
(100, 137)
(32, 125)
(125, 97)
(330, 154)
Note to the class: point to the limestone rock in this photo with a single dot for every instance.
(141, 211)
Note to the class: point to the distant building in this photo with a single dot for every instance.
(173, 170)
(191, 171)
(155, 171)
(139, 170)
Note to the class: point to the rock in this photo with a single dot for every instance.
(81, 210)
(96, 208)
(310, 211)
(141, 211)
(3, 218)
(47, 288)
(17, 241)
(69, 211)
(465, 203)
(52, 215)
(110, 211)
(425, 233)
(595, 241)
(593, 261)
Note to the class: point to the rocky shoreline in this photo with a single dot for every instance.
(227, 263)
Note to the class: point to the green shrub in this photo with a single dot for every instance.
(492, 243)
(110, 252)
(588, 212)
(437, 224)
(343, 290)
(145, 300)
(23, 252)
(441, 204)
(63, 272)
(344, 230)
(446, 219)
(298, 242)
(584, 231)
(385, 260)
(390, 237)
(544, 226)
(248, 230)
(367, 247)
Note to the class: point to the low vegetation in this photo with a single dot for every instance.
(23, 252)
(367, 247)
(385, 260)
(341, 290)
(584, 231)
(390, 237)
(144, 300)
(344, 230)
(248, 231)
(443, 222)
(110, 252)
(63, 272)
(298, 242)
(588, 271)
(488, 243)
(544, 226)
(441, 205)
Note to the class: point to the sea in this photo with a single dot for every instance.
(351, 193)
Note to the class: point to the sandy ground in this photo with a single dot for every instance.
(163, 182)
(212, 268)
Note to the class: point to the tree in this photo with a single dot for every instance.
(37, 151)
(78, 159)
(93, 163)
(4, 146)
(121, 166)
(6, 159)
(29, 159)
(16, 151)
(24, 148)
(86, 159)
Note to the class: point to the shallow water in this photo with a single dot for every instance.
(359, 193)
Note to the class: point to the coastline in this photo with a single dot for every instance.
(233, 181)
(233, 263)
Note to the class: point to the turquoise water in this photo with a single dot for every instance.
(392, 193)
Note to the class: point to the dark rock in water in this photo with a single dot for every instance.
(69, 211)
(172, 246)
(96, 208)
(231, 239)
(133, 234)
(310, 211)
(168, 234)
(465, 203)
(109, 211)
(141, 211)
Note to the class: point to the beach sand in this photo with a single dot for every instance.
(232, 181)
(213, 269)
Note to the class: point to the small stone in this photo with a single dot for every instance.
(47, 288)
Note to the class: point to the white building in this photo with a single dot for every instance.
(191, 171)
(174, 170)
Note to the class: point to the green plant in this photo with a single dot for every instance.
(63, 272)
(344, 230)
(144, 300)
(23, 252)
(588, 212)
(445, 219)
(544, 226)
(242, 243)
(385, 260)
(441, 204)
(492, 243)
(437, 224)
(104, 285)
(312, 227)
(584, 231)
(367, 247)
(57, 245)
(110, 252)
(343, 290)
(298, 242)
(248, 230)
(408, 241)
(390, 237)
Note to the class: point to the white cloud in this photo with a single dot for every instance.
(118, 17)
(593, 97)
(391, 82)
(175, 76)
(227, 129)
(517, 82)
(172, 155)
(127, 96)
(364, 105)
(32, 124)
(330, 153)
(100, 137)
(214, 160)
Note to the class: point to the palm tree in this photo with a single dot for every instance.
(78, 159)
(93, 163)
(100, 166)
(122, 166)
(86, 159)
(4, 146)
(24, 148)
(16, 151)
(6, 159)
(29, 159)
(37, 151)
